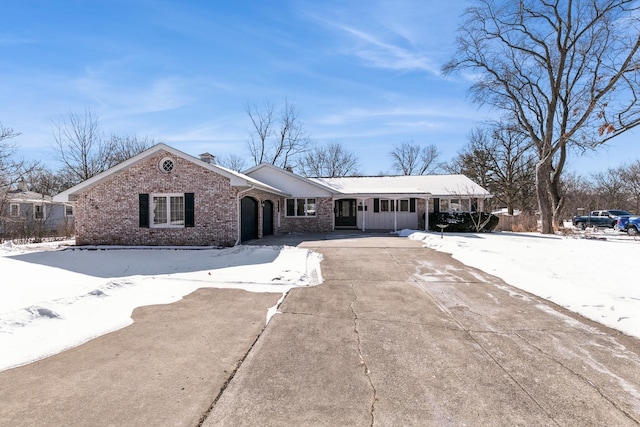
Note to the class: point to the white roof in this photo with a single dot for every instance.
(419, 185)
(18, 196)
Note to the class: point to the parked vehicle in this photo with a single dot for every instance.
(630, 224)
(601, 218)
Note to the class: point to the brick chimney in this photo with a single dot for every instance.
(22, 185)
(208, 158)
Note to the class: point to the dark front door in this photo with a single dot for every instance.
(346, 213)
(249, 222)
(267, 218)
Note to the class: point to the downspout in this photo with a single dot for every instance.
(239, 219)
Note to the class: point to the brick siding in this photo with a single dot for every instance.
(321, 223)
(107, 214)
(261, 197)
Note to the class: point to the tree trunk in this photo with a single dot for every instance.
(543, 171)
(555, 193)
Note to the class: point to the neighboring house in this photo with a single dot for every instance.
(25, 213)
(163, 196)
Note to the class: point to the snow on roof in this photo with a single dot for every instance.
(434, 185)
(27, 196)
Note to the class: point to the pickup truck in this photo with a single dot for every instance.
(601, 218)
(630, 224)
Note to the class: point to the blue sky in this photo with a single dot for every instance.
(362, 73)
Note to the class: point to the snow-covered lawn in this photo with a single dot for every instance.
(52, 299)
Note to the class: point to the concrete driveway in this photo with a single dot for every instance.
(397, 335)
(401, 335)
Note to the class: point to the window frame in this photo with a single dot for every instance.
(394, 205)
(66, 210)
(169, 209)
(42, 210)
(15, 206)
(301, 204)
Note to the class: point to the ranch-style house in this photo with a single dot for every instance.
(164, 197)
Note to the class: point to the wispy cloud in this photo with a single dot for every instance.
(380, 53)
(396, 36)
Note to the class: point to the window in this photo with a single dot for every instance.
(14, 210)
(38, 211)
(68, 210)
(301, 207)
(167, 210)
(166, 165)
(403, 205)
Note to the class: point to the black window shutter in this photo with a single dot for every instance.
(412, 204)
(189, 207)
(143, 210)
(376, 205)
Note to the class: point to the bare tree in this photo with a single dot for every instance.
(610, 189)
(234, 162)
(45, 181)
(328, 161)
(499, 158)
(125, 147)
(8, 165)
(566, 70)
(631, 182)
(579, 193)
(9, 168)
(473, 160)
(12, 168)
(85, 151)
(81, 146)
(410, 158)
(277, 140)
(262, 122)
(512, 167)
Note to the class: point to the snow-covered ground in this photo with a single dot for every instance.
(594, 273)
(52, 299)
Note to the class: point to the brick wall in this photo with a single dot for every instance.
(261, 197)
(321, 223)
(107, 214)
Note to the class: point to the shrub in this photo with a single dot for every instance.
(463, 222)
